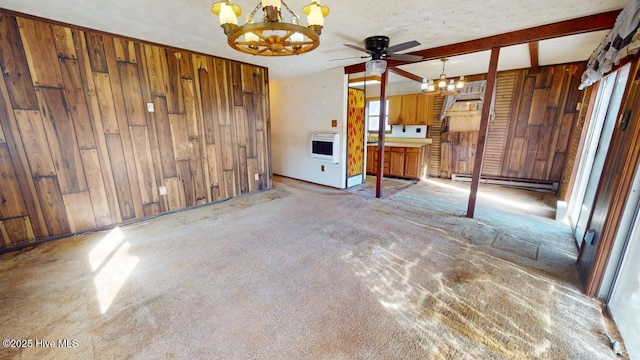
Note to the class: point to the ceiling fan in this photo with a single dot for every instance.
(377, 48)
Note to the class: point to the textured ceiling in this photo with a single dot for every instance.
(190, 25)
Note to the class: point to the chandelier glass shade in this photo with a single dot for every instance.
(275, 35)
(442, 86)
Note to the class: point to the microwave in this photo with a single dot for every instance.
(325, 147)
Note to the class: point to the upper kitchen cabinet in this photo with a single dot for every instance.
(411, 109)
(424, 112)
(395, 110)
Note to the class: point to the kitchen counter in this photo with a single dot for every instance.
(403, 142)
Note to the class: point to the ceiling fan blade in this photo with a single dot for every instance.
(358, 48)
(403, 46)
(352, 57)
(404, 57)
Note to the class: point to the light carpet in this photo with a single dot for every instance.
(309, 272)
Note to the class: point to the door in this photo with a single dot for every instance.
(601, 126)
(355, 138)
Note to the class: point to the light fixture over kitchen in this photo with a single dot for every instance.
(442, 86)
(275, 35)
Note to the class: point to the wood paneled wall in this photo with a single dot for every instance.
(541, 124)
(79, 149)
(534, 114)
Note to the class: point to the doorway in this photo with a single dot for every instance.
(601, 127)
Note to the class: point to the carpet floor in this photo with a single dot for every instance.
(308, 272)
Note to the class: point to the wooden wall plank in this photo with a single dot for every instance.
(79, 211)
(252, 119)
(132, 94)
(225, 90)
(165, 143)
(62, 141)
(106, 103)
(537, 112)
(175, 194)
(187, 71)
(66, 48)
(16, 230)
(153, 209)
(231, 186)
(144, 164)
(185, 178)
(241, 126)
(179, 136)
(97, 187)
(11, 201)
(196, 165)
(525, 107)
(125, 50)
(248, 79)
(209, 107)
(95, 52)
(175, 99)
(13, 63)
(42, 58)
(227, 149)
(34, 138)
(154, 57)
(77, 105)
(120, 177)
(235, 74)
(52, 204)
(190, 100)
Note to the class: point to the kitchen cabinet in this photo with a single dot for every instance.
(395, 110)
(410, 109)
(399, 161)
(396, 161)
(412, 163)
(424, 112)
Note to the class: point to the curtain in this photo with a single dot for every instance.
(623, 40)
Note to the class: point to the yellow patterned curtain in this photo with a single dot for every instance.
(355, 133)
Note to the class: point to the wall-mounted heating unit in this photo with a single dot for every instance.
(325, 147)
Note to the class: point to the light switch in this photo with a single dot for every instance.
(150, 107)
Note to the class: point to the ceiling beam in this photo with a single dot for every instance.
(408, 75)
(533, 54)
(602, 21)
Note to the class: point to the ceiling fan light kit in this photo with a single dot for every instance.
(274, 36)
(443, 86)
(376, 67)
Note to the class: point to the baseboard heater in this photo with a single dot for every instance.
(519, 183)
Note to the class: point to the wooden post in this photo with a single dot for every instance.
(484, 127)
(381, 129)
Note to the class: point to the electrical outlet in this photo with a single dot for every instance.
(256, 176)
(150, 107)
(163, 190)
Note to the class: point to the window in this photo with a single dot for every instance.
(373, 116)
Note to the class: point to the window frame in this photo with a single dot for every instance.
(377, 116)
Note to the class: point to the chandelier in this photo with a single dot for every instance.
(275, 35)
(442, 86)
